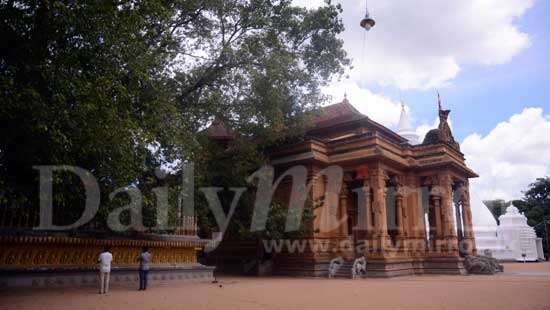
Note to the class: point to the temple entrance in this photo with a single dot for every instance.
(428, 215)
(432, 214)
(358, 215)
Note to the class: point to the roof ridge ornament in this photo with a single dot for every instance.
(439, 101)
(443, 133)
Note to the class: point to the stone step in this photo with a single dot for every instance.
(345, 270)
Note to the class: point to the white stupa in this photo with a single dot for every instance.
(405, 129)
(512, 240)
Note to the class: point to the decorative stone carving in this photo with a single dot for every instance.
(482, 265)
(60, 251)
(443, 133)
(334, 266)
(359, 268)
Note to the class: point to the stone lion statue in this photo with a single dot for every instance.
(334, 266)
(359, 267)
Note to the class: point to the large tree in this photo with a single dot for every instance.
(119, 87)
(497, 207)
(536, 206)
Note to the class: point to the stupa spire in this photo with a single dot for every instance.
(405, 128)
(404, 121)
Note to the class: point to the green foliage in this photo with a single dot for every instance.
(229, 166)
(95, 84)
(497, 207)
(82, 85)
(278, 217)
(536, 206)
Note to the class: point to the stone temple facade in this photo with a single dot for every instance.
(405, 207)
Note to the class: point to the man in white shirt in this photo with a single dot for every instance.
(104, 260)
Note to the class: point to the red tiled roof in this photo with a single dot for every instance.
(339, 111)
(218, 131)
(344, 112)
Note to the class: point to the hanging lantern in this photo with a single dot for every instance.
(367, 22)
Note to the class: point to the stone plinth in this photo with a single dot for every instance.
(44, 260)
(79, 278)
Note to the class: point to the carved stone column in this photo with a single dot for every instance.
(449, 231)
(416, 220)
(378, 182)
(399, 215)
(400, 208)
(467, 219)
(469, 238)
(364, 212)
(368, 210)
(436, 200)
(401, 221)
(318, 190)
(343, 210)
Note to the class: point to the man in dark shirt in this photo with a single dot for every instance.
(144, 260)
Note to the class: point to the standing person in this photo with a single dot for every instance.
(104, 260)
(144, 260)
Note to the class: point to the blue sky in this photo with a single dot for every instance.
(481, 97)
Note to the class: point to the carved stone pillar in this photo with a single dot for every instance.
(447, 207)
(343, 211)
(469, 238)
(400, 217)
(417, 228)
(378, 182)
(449, 231)
(436, 201)
(319, 189)
(368, 210)
(400, 206)
(364, 212)
(401, 221)
(467, 219)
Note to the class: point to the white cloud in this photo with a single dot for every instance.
(425, 43)
(376, 106)
(310, 4)
(508, 159)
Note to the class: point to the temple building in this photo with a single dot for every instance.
(403, 205)
(512, 240)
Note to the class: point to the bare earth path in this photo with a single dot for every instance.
(521, 287)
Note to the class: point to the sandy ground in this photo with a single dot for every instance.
(521, 287)
(527, 267)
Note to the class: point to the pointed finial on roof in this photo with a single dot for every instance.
(404, 120)
(345, 97)
(405, 128)
(439, 101)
